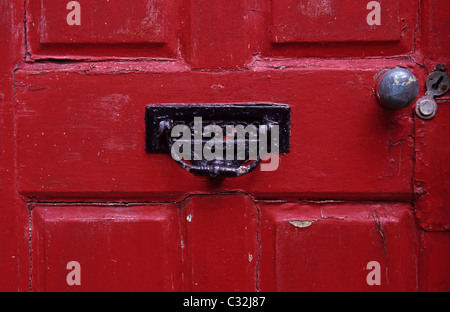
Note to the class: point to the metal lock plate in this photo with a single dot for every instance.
(438, 82)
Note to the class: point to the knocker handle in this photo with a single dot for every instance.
(212, 170)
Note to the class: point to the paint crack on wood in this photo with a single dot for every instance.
(380, 229)
(258, 243)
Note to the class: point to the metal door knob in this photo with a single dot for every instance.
(396, 88)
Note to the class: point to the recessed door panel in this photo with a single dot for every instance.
(106, 248)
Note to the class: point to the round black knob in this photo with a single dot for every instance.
(396, 88)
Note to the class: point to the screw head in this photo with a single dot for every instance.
(426, 108)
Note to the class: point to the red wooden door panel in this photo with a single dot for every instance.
(300, 28)
(220, 243)
(107, 29)
(107, 23)
(85, 125)
(361, 184)
(327, 246)
(323, 21)
(118, 248)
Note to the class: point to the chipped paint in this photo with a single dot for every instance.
(405, 83)
(302, 224)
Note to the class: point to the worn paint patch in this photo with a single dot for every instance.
(302, 224)
(316, 8)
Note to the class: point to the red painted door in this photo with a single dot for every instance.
(360, 202)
